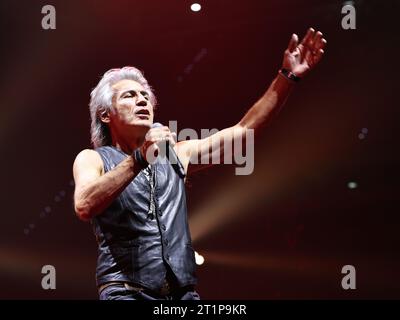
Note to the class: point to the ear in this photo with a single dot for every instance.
(105, 117)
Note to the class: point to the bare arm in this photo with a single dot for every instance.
(299, 59)
(196, 151)
(94, 189)
(268, 105)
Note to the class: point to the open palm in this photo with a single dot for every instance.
(301, 58)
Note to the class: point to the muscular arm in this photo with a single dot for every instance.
(299, 59)
(195, 151)
(268, 105)
(94, 189)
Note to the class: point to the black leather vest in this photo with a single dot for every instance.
(136, 246)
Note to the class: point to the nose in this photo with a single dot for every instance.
(141, 101)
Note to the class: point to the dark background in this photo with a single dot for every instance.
(284, 232)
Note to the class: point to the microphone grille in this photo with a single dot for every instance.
(156, 125)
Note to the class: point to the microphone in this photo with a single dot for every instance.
(171, 155)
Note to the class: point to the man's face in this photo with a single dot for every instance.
(131, 106)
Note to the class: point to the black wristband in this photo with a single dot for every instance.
(139, 159)
(289, 75)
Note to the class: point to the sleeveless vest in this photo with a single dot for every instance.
(137, 244)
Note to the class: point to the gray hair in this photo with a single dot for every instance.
(101, 101)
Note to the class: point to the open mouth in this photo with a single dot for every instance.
(142, 113)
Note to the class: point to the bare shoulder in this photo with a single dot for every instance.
(88, 159)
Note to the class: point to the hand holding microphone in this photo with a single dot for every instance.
(157, 135)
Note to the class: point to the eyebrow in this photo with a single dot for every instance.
(143, 92)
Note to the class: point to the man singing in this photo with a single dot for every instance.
(138, 207)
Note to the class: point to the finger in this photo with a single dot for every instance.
(171, 140)
(157, 130)
(293, 42)
(156, 137)
(162, 136)
(161, 139)
(151, 137)
(316, 40)
(321, 44)
(308, 37)
(319, 55)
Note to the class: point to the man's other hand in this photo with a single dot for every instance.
(301, 58)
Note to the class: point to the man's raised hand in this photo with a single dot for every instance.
(301, 58)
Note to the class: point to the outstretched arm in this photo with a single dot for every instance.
(298, 60)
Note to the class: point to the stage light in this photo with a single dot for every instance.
(195, 7)
(199, 258)
(352, 185)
